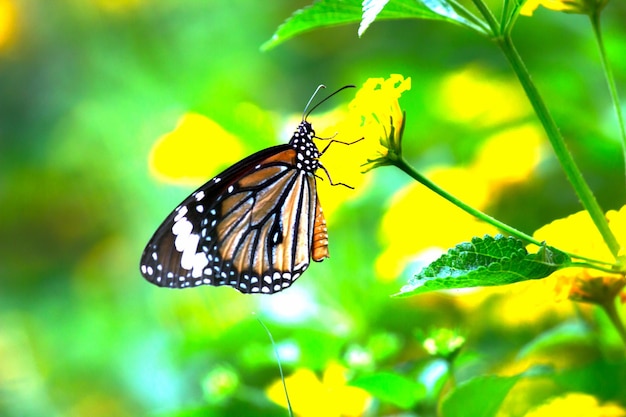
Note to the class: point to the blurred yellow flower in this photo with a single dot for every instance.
(418, 219)
(193, 151)
(567, 6)
(577, 234)
(8, 22)
(476, 97)
(509, 157)
(330, 397)
(577, 405)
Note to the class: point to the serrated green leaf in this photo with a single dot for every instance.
(444, 9)
(371, 9)
(325, 13)
(486, 262)
(392, 388)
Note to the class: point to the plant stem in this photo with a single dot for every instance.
(572, 172)
(610, 80)
(594, 265)
(489, 17)
(611, 311)
(401, 163)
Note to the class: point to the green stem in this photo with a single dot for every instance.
(572, 172)
(611, 311)
(595, 265)
(489, 17)
(476, 23)
(401, 163)
(398, 161)
(451, 377)
(608, 73)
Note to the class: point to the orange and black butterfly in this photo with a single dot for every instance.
(255, 226)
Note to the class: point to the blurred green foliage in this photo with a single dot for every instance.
(87, 87)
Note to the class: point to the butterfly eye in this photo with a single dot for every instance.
(256, 226)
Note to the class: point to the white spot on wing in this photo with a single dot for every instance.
(187, 243)
(181, 212)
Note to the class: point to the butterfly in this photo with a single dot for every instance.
(255, 226)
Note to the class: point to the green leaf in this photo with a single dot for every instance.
(574, 337)
(445, 10)
(486, 262)
(603, 379)
(325, 13)
(392, 388)
(478, 397)
(482, 396)
(371, 9)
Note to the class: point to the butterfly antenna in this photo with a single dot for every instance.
(280, 368)
(304, 113)
(307, 113)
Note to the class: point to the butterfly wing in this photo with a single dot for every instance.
(254, 227)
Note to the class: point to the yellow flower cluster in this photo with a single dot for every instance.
(382, 119)
(368, 116)
(578, 235)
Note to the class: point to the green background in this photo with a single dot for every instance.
(85, 92)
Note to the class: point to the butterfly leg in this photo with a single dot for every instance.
(331, 180)
(336, 141)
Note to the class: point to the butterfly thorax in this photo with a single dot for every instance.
(307, 154)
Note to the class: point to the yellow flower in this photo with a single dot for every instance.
(330, 397)
(193, 151)
(476, 97)
(381, 119)
(8, 22)
(577, 234)
(369, 115)
(567, 6)
(343, 162)
(419, 219)
(577, 405)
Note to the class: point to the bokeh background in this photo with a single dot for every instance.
(89, 90)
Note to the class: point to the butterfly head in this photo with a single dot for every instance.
(307, 154)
